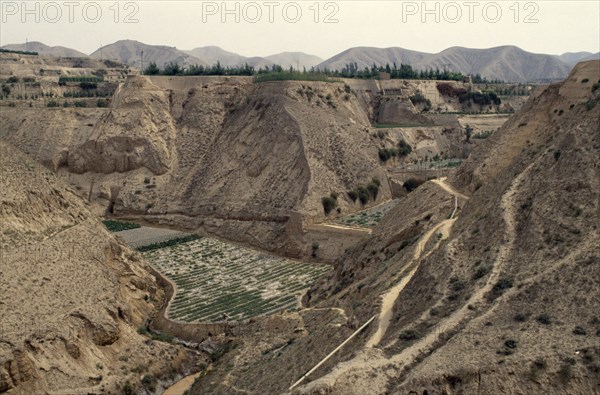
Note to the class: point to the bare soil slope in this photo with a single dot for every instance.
(502, 300)
(73, 296)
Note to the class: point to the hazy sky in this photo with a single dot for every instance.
(268, 27)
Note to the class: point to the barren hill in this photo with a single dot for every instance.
(43, 49)
(488, 281)
(507, 63)
(297, 60)
(75, 296)
(573, 58)
(212, 54)
(249, 161)
(130, 52)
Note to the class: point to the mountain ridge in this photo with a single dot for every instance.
(507, 62)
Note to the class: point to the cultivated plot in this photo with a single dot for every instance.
(370, 217)
(217, 280)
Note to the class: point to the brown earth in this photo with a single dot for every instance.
(74, 296)
(503, 302)
(249, 162)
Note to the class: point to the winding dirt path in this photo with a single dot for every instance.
(389, 298)
(370, 370)
(371, 358)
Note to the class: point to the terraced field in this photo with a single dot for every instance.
(370, 217)
(217, 280)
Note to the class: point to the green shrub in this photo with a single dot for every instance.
(384, 154)
(419, 98)
(511, 344)
(373, 189)
(520, 317)
(481, 271)
(404, 148)
(128, 389)
(329, 204)
(149, 382)
(411, 184)
(102, 103)
(363, 194)
(585, 80)
(79, 103)
(353, 195)
(544, 319)
(580, 331)
(52, 103)
(409, 335)
(500, 287)
(88, 85)
(456, 284)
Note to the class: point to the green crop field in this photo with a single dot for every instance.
(215, 278)
(370, 217)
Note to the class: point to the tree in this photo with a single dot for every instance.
(172, 68)
(469, 131)
(329, 204)
(152, 69)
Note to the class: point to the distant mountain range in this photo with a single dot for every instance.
(507, 63)
(43, 49)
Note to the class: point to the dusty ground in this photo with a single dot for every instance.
(249, 162)
(505, 300)
(75, 296)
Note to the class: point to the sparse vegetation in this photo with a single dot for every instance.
(500, 287)
(409, 335)
(544, 319)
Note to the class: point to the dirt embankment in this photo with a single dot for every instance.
(77, 296)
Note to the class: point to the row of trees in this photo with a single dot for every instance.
(351, 70)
